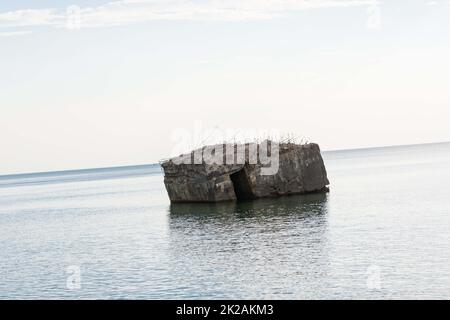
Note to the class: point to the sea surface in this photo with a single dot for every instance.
(383, 231)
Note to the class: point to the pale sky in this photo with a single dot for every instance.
(95, 83)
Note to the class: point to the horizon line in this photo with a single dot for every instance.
(156, 163)
(386, 147)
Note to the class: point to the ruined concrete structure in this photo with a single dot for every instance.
(300, 170)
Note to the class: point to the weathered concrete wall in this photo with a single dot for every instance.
(301, 170)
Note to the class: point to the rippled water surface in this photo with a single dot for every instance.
(382, 232)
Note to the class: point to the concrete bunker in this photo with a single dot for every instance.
(300, 170)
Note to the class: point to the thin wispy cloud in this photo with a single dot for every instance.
(10, 34)
(127, 12)
(30, 17)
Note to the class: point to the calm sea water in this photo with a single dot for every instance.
(382, 232)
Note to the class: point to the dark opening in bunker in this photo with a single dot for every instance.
(241, 185)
